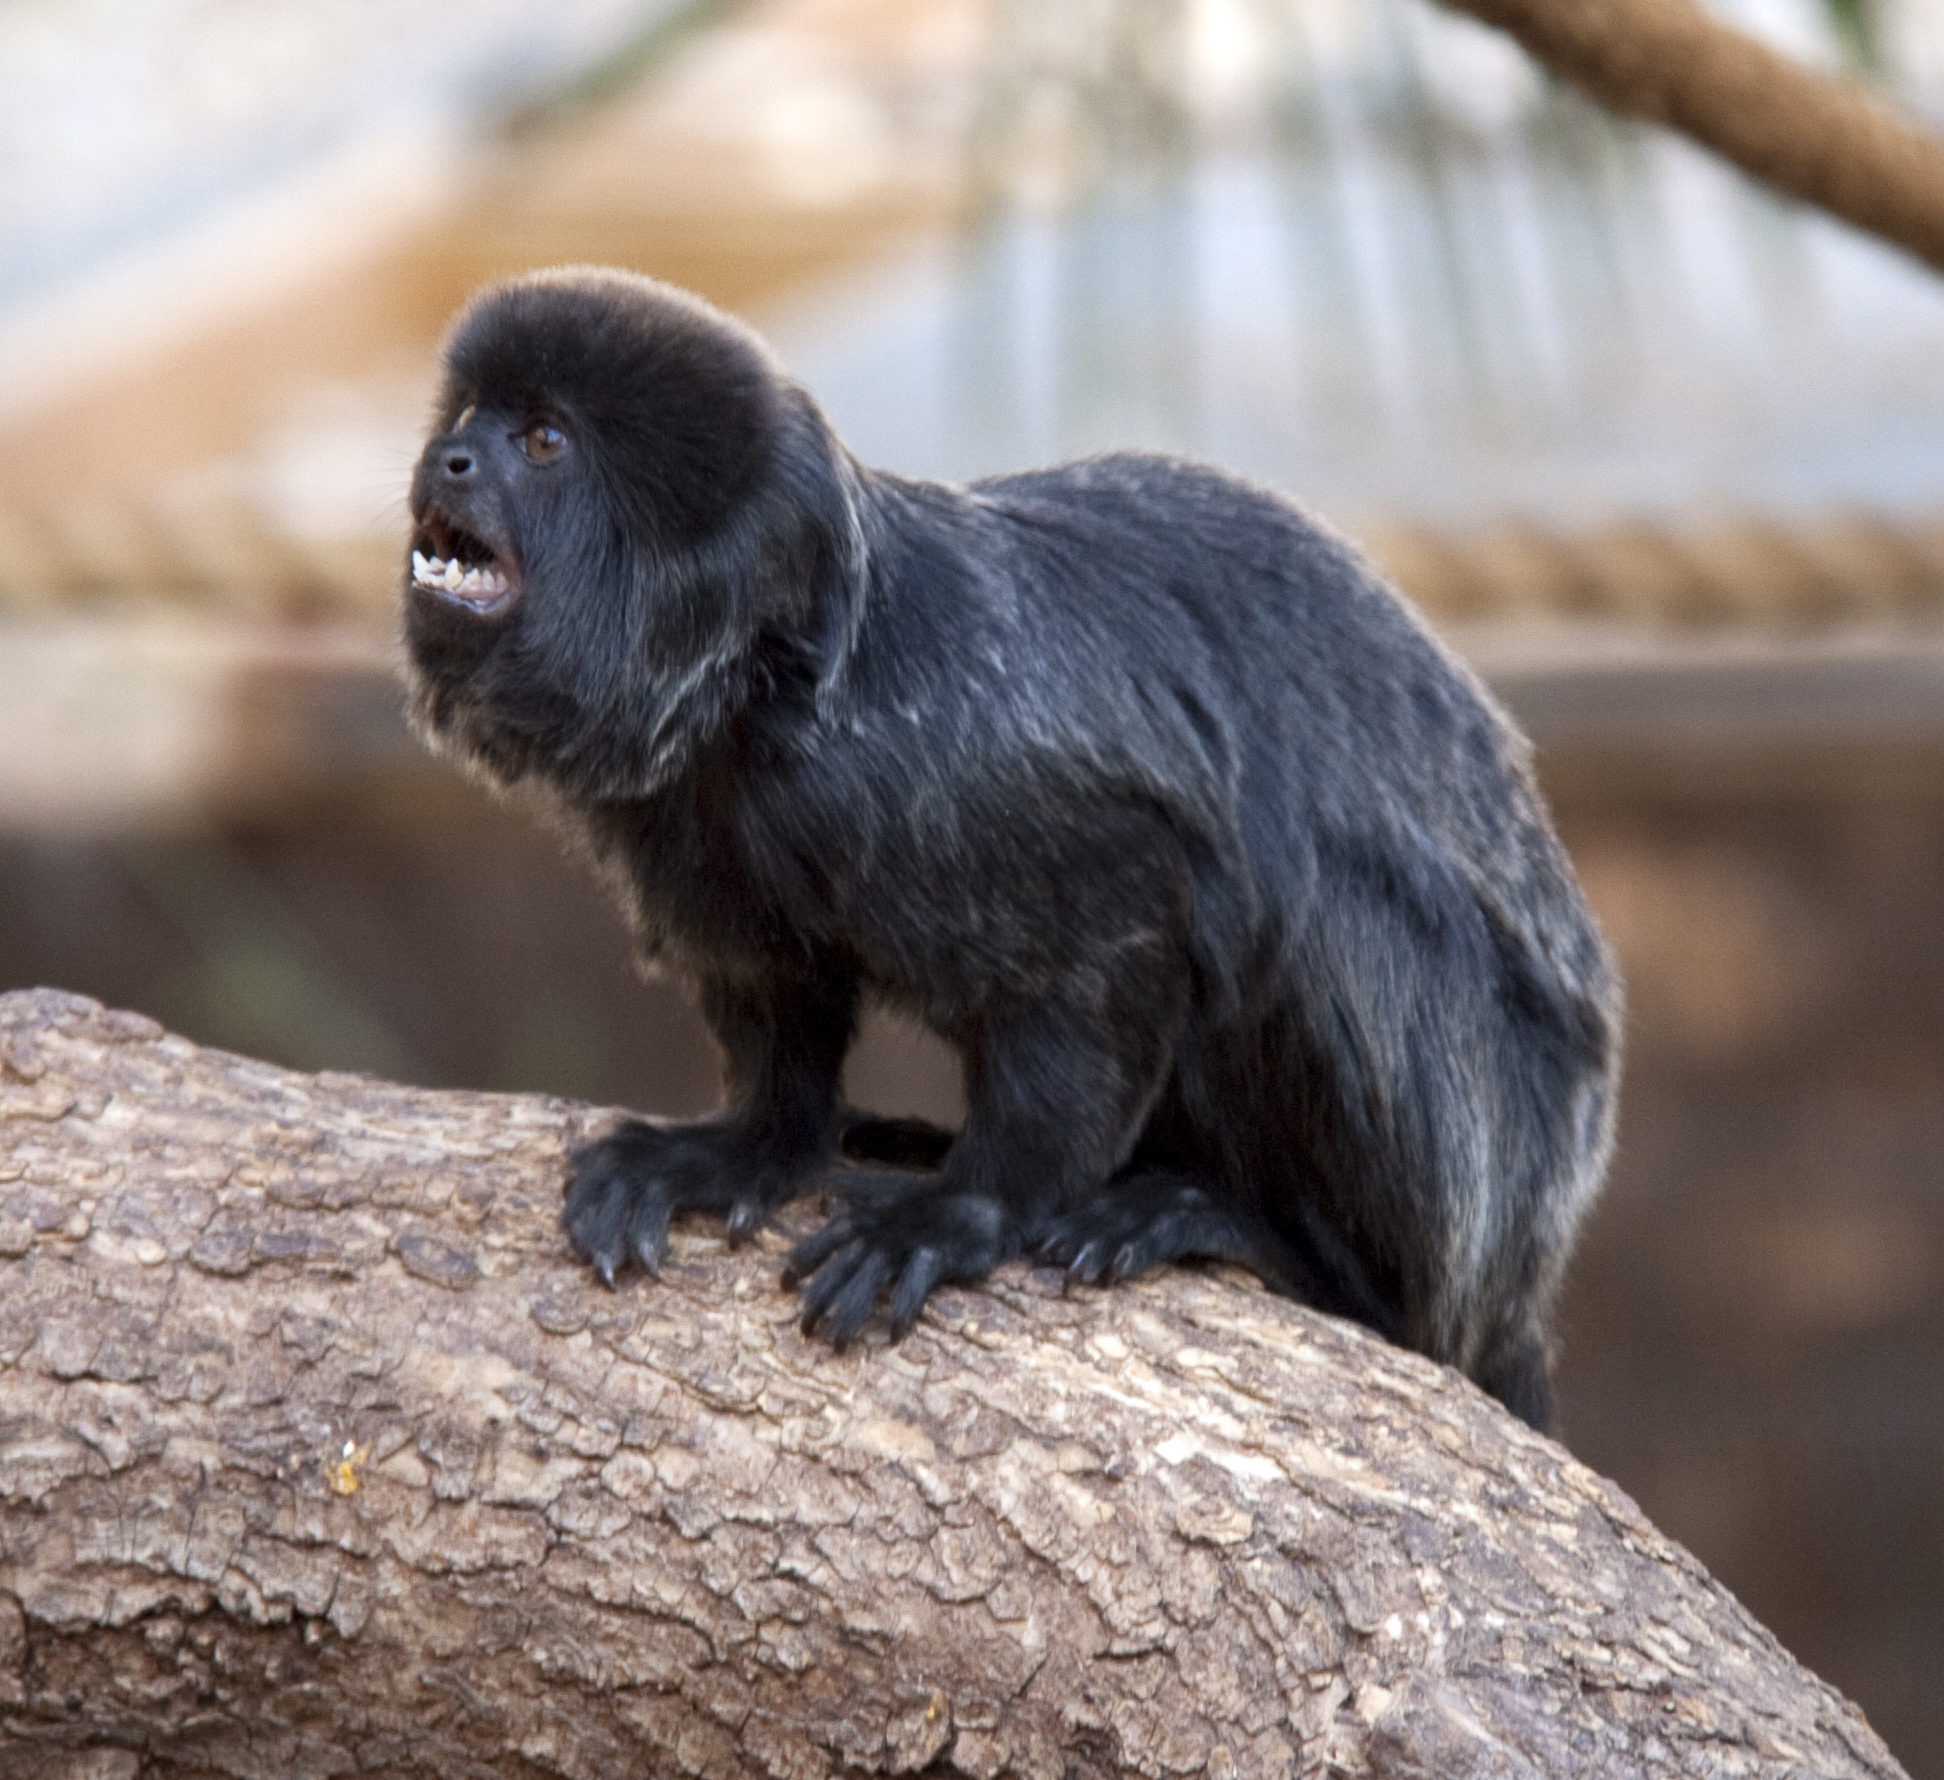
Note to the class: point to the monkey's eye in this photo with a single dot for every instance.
(543, 442)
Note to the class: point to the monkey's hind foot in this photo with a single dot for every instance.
(1146, 1220)
(900, 1236)
(624, 1188)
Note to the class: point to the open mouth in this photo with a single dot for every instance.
(447, 559)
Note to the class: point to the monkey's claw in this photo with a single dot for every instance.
(617, 1207)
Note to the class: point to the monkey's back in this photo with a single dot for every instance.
(1270, 681)
(1401, 1008)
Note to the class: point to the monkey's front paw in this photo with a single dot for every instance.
(903, 1240)
(625, 1187)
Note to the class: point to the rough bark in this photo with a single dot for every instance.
(319, 1455)
(1812, 136)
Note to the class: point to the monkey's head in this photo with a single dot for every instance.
(621, 500)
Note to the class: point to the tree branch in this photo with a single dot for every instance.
(1812, 136)
(320, 1455)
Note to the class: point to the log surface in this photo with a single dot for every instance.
(319, 1455)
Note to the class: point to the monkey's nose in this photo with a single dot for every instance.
(459, 464)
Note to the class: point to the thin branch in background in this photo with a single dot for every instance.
(1822, 138)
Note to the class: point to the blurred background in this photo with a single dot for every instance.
(1663, 457)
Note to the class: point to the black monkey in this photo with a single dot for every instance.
(1140, 787)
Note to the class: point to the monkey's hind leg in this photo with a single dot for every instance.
(1055, 1095)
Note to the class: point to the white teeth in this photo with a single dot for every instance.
(434, 571)
(454, 577)
(485, 583)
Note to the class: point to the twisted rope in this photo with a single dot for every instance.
(1751, 572)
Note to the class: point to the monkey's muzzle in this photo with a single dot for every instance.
(459, 566)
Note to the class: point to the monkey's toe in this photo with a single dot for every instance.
(813, 1251)
(838, 1302)
(1106, 1261)
(922, 1272)
(746, 1218)
(613, 1216)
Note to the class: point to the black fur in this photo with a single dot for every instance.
(1139, 786)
